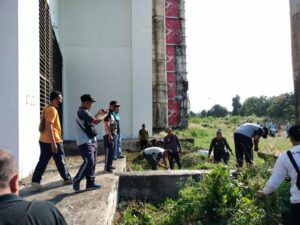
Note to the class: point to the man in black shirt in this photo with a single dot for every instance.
(13, 209)
(172, 144)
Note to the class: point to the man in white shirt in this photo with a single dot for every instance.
(283, 167)
(153, 156)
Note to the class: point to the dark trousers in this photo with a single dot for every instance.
(144, 144)
(295, 214)
(59, 159)
(176, 156)
(151, 161)
(218, 156)
(87, 169)
(243, 146)
(109, 152)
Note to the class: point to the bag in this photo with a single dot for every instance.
(296, 168)
(89, 129)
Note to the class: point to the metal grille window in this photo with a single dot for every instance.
(46, 77)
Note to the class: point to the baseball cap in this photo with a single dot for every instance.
(87, 98)
(115, 103)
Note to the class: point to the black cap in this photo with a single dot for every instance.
(87, 98)
(115, 103)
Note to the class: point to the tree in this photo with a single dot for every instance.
(217, 111)
(282, 107)
(256, 106)
(203, 113)
(236, 106)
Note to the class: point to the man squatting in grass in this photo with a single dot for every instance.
(87, 145)
(283, 167)
(220, 148)
(153, 156)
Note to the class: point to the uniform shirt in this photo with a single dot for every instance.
(112, 125)
(218, 145)
(82, 116)
(172, 142)
(51, 116)
(250, 130)
(143, 134)
(16, 211)
(283, 167)
(155, 152)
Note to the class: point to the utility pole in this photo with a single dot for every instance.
(295, 34)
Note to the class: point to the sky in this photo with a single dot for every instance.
(237, 47)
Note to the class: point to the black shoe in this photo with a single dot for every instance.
(76, 186)
(112, 167)
(121, 157)
(108, 171)
(93, 186)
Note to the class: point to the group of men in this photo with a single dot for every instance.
(51, 141)
(14, 209)
(171, 151)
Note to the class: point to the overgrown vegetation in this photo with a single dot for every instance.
(219, 198)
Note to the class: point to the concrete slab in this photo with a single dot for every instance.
(86, 207)
(156, 185)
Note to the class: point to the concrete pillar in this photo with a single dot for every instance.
(181, 73)
(295, 30)
(19, 69)
(159, 75)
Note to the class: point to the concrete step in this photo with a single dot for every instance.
(86, 207)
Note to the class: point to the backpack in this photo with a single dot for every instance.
(296, 168)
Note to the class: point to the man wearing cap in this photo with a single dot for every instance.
(243, 141)
(51, 143)
(153, 156)
(109, 131)
(284, 167)
(117, 138)
(87, 144)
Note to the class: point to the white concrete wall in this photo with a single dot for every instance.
(141, 65)
(9, 75)
(107, 52)
(29, 85)
(19, 71)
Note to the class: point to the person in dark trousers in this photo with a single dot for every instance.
(154, 154)
(51, 143)
(109, 130)
(220, 148)
(284, 167)
(243, 141)
(14, 209)
(117, 138)
(172, 143)
(143, 136)
(87, 145)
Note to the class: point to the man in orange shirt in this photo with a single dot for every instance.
(51, 144)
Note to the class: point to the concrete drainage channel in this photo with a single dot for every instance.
(155, 186)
